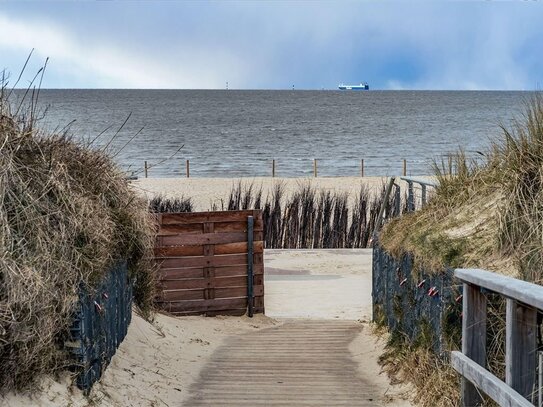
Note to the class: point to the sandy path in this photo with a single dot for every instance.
(323, 355)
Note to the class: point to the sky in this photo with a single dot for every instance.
(467, 45)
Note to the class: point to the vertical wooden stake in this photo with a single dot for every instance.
(362, 168)
(315, 167)
(273, 168)
(473, 337)
(188, 169)
(145, 168)
(250, 271)
(404, 167)
(520, 347)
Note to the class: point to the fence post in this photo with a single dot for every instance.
(520, 347)
(188, 169)
(397, 200)
(410, 197)
(250, 255)
(315, 167)
(273, 168)
(473, 338)
(423, 194)
(145, 168)
(404, 167)
(362, 168)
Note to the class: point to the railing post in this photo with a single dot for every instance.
(397, 200)
(423, 194)
(410, 197)
(520, 347)
(473, 338)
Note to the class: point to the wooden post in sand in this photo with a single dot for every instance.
(273, 168)
(404, 167)
(315, 167)
(362, 168)
(145, 168)
(188, 169)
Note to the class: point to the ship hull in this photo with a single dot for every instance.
(353, 87)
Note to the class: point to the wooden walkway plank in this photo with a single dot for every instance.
(300, 363)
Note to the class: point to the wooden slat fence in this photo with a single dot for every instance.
(204, 263)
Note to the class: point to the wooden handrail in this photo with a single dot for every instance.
(523, 302)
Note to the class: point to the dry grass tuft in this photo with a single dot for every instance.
(66, 214)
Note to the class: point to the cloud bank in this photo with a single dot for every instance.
(392, 45)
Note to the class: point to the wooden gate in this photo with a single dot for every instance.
(206, 260)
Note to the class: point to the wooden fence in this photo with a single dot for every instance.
(523, 302)
(210, 263)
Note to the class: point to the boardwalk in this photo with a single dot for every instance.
(299, 363)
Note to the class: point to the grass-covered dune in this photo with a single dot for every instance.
(487, 214)
(66, 214)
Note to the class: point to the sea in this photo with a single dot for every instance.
(237, 133)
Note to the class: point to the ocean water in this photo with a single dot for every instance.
(237, 133)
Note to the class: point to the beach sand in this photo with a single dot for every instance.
(157, 363)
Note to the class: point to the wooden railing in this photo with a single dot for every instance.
(523, 302)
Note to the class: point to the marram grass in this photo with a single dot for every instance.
(66, 215)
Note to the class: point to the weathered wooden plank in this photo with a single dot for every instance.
(528, 293)
(205, 238)
(166, 230)
(182, 295)
(500, 392)
(205, 305)
(206, 261)
(232, 312)
(202, 261)
(521, 347)
(221, 282)
(474, 311)
(219, 227)
(219, 249)
(190, 273)
(200, 217)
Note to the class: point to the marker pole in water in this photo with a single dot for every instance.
(404, 167)
(188, 169)
(362, 168)
(315, 167)
(273, 168)
(145, 168)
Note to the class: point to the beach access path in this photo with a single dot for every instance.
(322, 352)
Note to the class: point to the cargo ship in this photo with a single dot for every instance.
(362, 86)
